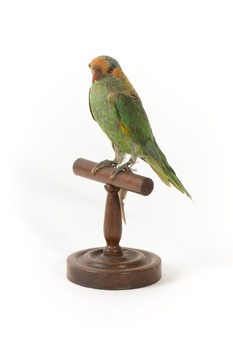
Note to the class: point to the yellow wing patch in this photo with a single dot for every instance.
(124, 128)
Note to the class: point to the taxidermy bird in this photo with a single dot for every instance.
(117, 108)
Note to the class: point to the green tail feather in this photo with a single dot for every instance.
(166, 173)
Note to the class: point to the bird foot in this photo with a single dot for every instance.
(103, 164)
(123, 167)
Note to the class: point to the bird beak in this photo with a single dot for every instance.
(96, 73)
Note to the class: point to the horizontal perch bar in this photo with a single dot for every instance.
(126, 180)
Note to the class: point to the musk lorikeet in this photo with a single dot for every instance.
(117, 108)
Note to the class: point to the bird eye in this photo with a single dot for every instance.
(111, 69)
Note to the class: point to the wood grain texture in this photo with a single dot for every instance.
(128, 181)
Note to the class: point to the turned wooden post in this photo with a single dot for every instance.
(113, 267)
(112, 222)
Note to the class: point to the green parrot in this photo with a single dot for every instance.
(117, 108)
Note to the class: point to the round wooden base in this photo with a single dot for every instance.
(94, 269)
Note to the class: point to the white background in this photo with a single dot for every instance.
(178, 55)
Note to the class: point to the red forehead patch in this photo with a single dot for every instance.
(101, 63)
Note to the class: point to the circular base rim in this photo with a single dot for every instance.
(136, 268)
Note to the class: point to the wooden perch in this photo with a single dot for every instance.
(126, 180)
(113, 267)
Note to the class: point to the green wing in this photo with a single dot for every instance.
(134, 117)
(137, 126)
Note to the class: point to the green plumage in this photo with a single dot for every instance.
(117, 108)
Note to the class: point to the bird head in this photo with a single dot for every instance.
(105, 66)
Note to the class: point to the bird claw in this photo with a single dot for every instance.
(123, 167)
(105, 163)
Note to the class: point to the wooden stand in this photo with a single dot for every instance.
(113, 267)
